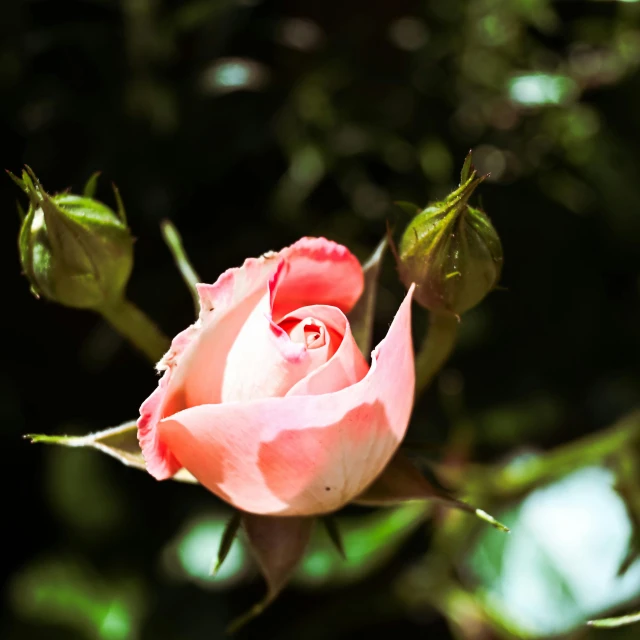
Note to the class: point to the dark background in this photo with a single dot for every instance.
(342, 108)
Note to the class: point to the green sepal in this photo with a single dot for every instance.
(91, 185)
(330, 523)
(119, 442)
(228, 536)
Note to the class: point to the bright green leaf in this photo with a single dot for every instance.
(371, 541)
(559, 566)
(620, 621)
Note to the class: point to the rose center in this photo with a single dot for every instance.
(310, 332)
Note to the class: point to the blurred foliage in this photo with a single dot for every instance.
(250, 123)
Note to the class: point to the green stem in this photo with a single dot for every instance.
(137, 327)
(512, 480)
(188, 273)
(435, 348)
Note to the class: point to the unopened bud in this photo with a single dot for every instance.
(74, 250)
(451, 251)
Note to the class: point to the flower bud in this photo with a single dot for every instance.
(451, 251)
(74, 250)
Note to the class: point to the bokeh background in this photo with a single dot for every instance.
(251, 123)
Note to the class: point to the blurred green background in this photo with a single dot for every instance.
(249, 124)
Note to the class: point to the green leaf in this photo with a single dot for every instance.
(91, 185)
(119, 442)
(64, 592)
(362, 315)
(174, 242)
(228, 536)
(559, 566)
(620, 621)
(371, 539)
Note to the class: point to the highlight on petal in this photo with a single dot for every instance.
(302, 455)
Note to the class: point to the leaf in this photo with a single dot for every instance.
(372, 540)
(119, 442)
(401, 482)
(66, 593)
(91, 185)
(278, 544)
(228, 536)
(361, 316)
(174, 242)
(620, 621)
(559, 567)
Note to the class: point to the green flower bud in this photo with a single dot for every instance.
(451, 251)
(74, 250)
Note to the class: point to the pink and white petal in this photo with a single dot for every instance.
(224, 306)
(263, 362)
(320, 272)
(160, 463)
(347, 365)
(302, 455)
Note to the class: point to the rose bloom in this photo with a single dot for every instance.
(267, 399)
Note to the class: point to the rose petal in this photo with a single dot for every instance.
(347, 365)
(320, 272)
(194, 365)
(302, 455)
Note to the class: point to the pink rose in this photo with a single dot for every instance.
(267, 399)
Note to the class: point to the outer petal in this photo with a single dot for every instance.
(302, 455)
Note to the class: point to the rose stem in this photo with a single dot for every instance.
(137, 327)
(435, 348)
